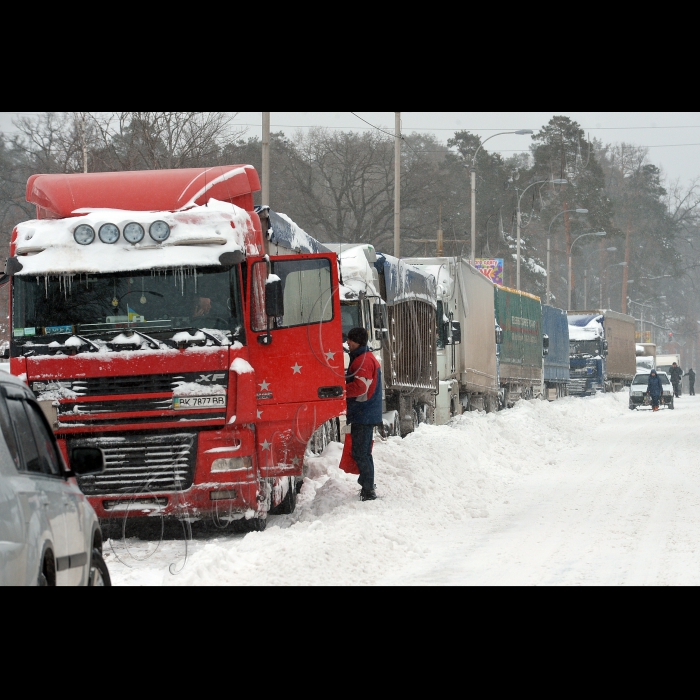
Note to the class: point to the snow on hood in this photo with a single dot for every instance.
(199, 236)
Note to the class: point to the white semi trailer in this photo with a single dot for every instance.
(467, 333)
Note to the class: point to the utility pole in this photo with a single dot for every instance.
(397, 185)
(548, 269)
(440, 244)
(625, 272)
(266, 159)
(472, 172)
(84, 140)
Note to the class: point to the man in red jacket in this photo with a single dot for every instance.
(364, 393)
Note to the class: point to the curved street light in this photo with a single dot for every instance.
(472, 170)
(571, 247)
(549, 233)
(517, 258)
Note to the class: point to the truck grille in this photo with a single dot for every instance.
(107, 386)
(115, 406)
(138, 464)
(577, 386)
(138, 384)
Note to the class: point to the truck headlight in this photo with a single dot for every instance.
(159, 231)
(134, 233)
(84, 234)
(108, 233)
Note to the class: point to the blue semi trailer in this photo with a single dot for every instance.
(555, 327)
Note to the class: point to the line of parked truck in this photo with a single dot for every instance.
(450, 340)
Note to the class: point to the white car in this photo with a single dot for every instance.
(638, 390)
(49, 533)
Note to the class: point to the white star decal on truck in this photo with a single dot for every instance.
(296, 368)
(330, 355)
(266, 445)
(264, 386)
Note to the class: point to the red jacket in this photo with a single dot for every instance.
(363, 388)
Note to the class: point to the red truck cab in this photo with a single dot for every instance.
(139, 309)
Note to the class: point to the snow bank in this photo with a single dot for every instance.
(428, 483)
(198, 237)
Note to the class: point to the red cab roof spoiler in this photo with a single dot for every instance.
(58, 196)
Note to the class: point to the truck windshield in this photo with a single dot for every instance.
(96, 306)
(350, 313)
(584, 347)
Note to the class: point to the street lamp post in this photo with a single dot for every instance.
(571, 247)
(472, 170)
(549, 233)
(520, 198)
(644, 304)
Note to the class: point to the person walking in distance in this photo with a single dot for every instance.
(691, 381)
(676, 376)
(654, 389)
(364, 395)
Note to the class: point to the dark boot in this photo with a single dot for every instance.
(368, 495)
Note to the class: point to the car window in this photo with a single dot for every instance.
(37, 458)
(9, 453)
(44, 441)
(8, 433)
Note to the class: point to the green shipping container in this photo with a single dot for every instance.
(519, 314)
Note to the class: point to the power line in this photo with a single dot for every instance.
(372, 125)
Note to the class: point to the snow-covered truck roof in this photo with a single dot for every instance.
(284, 233)
(357, 270)
(206, 211)
(406, 282)
(61, 196)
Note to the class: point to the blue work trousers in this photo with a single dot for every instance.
(362, 436)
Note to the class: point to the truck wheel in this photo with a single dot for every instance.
(99, 573)
(289, 503)
(252, 525)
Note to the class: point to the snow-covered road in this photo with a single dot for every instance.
(579, 491)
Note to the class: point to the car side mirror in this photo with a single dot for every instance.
(499, 335)
(274, 297)
(87, 460)
(456, 332)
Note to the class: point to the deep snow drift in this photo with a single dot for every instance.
(576, 491)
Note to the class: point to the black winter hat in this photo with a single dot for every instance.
(358, 335)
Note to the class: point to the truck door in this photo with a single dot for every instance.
(298, 355)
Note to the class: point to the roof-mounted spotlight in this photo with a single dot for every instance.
(84, 234)
(159, 231)
(134, 233)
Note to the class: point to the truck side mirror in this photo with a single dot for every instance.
(456, 332)
(499, 335)
(274, 297)
(605, 347)
(545, 345)
(381, 334)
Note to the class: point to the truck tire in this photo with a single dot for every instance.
(289, 503)
(252, 525)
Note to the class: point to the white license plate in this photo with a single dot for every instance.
(182, 402)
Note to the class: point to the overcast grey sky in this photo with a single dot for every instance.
(673, 138)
